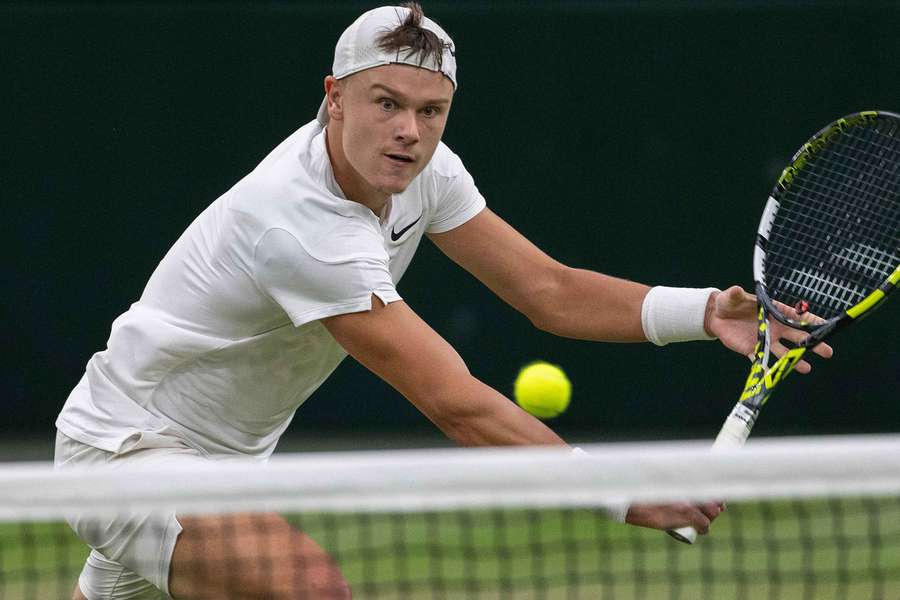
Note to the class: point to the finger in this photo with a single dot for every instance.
(802, 367)
(710, 510)
(789, 333)
(823, 350)
(700, 522)
(791, 313)
(737, 296)
(735, 301)
(798, 337)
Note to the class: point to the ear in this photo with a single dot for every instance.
(334, 93)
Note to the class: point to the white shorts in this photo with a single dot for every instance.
(131, 552)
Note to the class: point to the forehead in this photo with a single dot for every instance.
(412, 82)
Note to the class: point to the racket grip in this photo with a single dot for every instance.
(734, 434)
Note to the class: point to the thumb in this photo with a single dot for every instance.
(734, 300)
(735, 295)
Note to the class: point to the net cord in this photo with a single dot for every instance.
(425, 480)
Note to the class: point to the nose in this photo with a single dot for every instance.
(407, 128)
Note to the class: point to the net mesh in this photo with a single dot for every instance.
(836, 235)
(814, 518)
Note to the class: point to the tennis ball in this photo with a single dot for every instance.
(542, 389)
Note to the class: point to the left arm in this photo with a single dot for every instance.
(583, 304)
(569, 302)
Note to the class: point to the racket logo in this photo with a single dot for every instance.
(760, 382)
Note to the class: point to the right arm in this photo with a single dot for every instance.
(395, 344)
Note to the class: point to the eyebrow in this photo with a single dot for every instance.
(401, 96)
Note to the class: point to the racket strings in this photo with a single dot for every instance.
(870, 217)
(845, 196)
(836, 235)
(855, 196)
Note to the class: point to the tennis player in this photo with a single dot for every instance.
(295, 267)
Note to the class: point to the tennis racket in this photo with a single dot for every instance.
(828, 244)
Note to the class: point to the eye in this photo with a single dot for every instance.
(431, 111)
(387, 104)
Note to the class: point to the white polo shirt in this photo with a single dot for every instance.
(225, 342)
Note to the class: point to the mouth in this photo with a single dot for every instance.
(400, 158)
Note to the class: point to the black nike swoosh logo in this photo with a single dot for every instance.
(396, 235)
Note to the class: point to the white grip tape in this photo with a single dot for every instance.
(736, 430)
(670, 314)
(734, 434)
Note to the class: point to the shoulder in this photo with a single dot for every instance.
(452, 197)
(293, 169)
(328, 233)
(443, 177)
(445, 164)
(279, 246)
(289, 191)
(290, 170)
(328, 280)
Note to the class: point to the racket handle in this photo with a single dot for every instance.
(737, 427)
(734, 434)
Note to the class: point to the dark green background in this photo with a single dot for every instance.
(635, 138)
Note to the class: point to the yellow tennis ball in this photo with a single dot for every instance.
(543, 390)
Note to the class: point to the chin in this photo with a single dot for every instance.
(394, 186)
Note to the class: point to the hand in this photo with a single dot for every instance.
(731, 317)
(672, 516)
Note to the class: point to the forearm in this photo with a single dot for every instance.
(569, 302)
(474, 414)
(588, 305)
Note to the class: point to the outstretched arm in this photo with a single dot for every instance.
(584, 304)
(395, 344)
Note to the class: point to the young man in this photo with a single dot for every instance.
(295, 267)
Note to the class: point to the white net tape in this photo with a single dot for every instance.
(411, 481)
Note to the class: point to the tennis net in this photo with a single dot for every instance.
(811, 518)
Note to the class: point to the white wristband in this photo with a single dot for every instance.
(617, 511)
(671, 314)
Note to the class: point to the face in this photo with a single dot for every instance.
(389, 121)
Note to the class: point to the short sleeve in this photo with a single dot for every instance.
(457, 198)
(309, 288)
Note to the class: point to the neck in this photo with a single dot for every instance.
(351, 182)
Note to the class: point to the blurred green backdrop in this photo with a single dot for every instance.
(636, 138)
